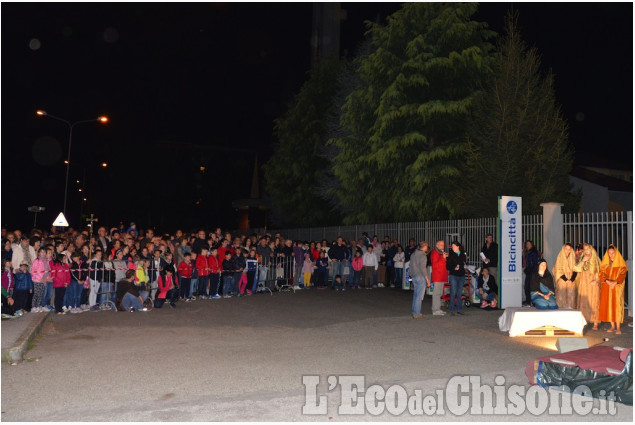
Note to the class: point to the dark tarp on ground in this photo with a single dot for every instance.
(589, 370)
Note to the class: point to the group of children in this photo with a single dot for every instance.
(214, 273)
(92, 285)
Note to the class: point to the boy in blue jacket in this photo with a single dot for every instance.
(23, 287)
(322, 271)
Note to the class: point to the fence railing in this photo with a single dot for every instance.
(597, 229)
(600, 230)
(470, 232)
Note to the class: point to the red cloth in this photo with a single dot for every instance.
(597, 358)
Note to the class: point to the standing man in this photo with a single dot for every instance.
(298, 255)
(339, 255)
(420, 278)
(489, 255)
(265, 254)
(439, 276)
(95, 278)
(102, 240)
(149, 235)
(410, 249)
(200, 242)
(153, 273)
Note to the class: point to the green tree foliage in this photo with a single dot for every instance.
(347, 81)
(292, 173)
(398, 158)
(518, 141)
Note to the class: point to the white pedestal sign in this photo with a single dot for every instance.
(510, 266)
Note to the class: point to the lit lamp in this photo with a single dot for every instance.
(102, 119)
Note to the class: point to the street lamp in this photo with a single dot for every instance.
(102, 119)
(35, 209)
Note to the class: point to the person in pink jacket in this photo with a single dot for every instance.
(61, 279)
(358, 265)
(40, 274)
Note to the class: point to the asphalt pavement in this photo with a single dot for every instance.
(243, 359)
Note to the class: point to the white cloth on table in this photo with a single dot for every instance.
(518, 320)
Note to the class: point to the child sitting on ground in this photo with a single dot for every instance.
(337, 283)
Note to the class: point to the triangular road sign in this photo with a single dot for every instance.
(60, 221)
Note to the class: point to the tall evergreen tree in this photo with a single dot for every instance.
(398, 158)
(518, 141)
(292, 173)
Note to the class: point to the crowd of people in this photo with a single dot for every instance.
(132, 270)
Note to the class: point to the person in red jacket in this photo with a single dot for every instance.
(215, 268)
(202, 265)
(439, 276)
(167, 289)
(185, 276)
(221, 251)
(61, 279)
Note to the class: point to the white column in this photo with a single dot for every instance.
(552, 231)
(629, 260)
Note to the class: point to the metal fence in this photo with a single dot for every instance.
(601, 230)
(598, 229)
(470, 232)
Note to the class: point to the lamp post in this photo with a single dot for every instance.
(35, 209)
(103, 119)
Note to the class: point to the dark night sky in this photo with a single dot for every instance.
(217, 75)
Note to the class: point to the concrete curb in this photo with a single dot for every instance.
(20, 347)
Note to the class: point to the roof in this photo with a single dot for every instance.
(611, 183)
(598, 161)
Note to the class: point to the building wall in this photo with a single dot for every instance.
(595, 198)
(620, 201)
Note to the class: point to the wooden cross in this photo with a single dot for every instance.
(90, 246)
